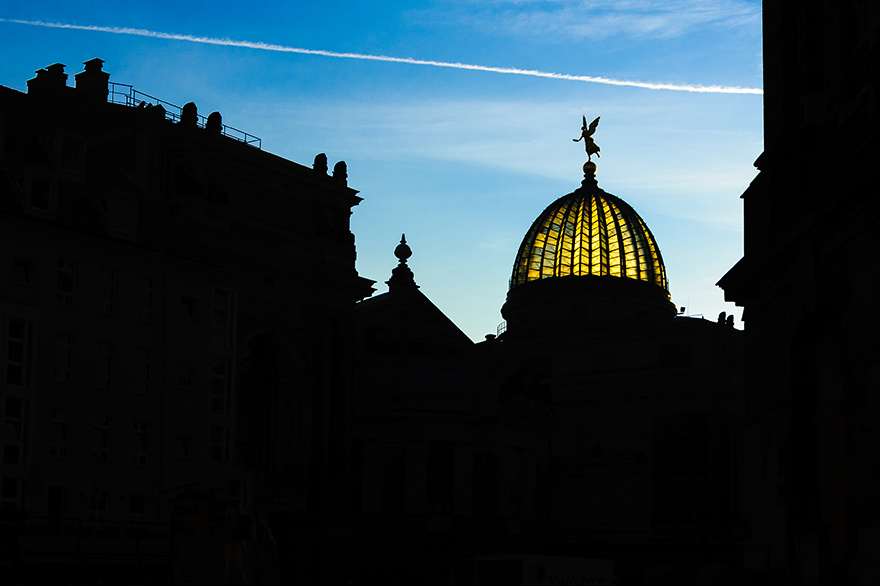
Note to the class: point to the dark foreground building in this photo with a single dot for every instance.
(808, 284)
(196, 386)
(169, 388)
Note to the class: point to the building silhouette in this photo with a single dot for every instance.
(199, 388)
(811, 443)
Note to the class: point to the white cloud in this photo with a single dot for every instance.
(598, 19)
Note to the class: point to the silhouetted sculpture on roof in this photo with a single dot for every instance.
(340, 172)
(215, 123)
(402, 276)
(320, 164)
(587, 134)
(189, 114)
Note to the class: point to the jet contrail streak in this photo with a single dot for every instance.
(712, 89)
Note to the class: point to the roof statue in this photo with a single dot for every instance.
(587, 134)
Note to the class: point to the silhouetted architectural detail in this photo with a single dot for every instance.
(340, 173)
(170, 386)
(214, 124)
(646, 404)
(189, 115)
(402, 276)
(449, 468)
(320, 164)
(196, 386)
(807, 285)
(587, 135)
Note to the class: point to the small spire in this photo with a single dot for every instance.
(402, 276)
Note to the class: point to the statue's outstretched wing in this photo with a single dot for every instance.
(593, 124)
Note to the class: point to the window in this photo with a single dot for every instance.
(57, 501)
(221, 320)
(101, 441)
(142, 373)
(22, 271)
(58, 446)
(219, 386)
(10, 493)
(139, 444)
(103, 365)
(138, 507)
(183, 447)
(15, 431)
(188, 308)
(119, 213)
(66, 281)
(106, 290)
(145, 299)
(98, 505)
(63, 346)
(217, 435)
(41, 193)
(72, 156)
(17, 356)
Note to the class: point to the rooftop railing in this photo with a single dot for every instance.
(120, 93)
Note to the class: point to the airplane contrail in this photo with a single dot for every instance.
(711, 89)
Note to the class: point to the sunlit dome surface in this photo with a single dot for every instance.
(589, 232)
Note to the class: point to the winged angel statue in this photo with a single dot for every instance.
(587, 134)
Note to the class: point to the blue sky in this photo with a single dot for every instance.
(461, 160)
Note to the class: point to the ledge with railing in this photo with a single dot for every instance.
(120, 93)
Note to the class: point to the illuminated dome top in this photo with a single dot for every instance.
(589, 232)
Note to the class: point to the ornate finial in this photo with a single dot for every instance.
(402, 276)
(586, 134)
(403, 251)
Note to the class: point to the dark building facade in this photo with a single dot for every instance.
(170, 385)
(812, 359)
(197, 387)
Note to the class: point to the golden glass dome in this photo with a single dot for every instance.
(589, 232)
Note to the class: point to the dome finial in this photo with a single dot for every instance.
(402, 276)
(587, 134)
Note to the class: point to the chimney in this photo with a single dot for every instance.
(49, 81)
(92, 83)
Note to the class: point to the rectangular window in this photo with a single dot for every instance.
(104, 364)
(66, 281)
(15, 431)
(106, 290)
(10, 493)
(57, 497)
(138, 507)
(18, 359)
(142, 372)
(41, 193)
(63, 349)
(98, 505)
(183, 447)
(22, 271)
(217, 436)
(145, 299)
(188, 308)
(101, 439)
(221, 320)
(219, 386)
(139, 444)
(58, 446)
(122, 215)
